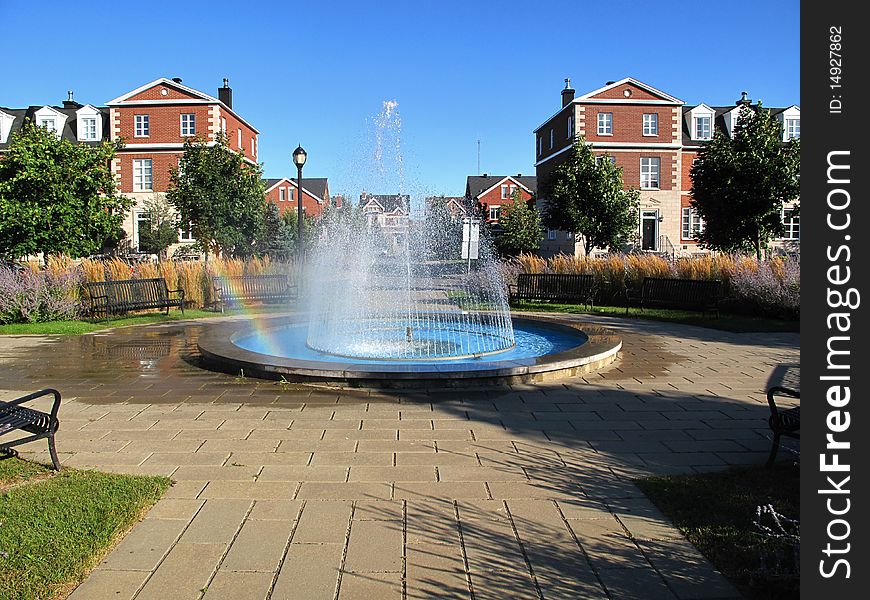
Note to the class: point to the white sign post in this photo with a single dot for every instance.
(470, 239)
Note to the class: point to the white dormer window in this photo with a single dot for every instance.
(792, 129)
(703, 128)
(89, 129)
(50, 119)
(5, 126)
(89, 124)
(48, 123)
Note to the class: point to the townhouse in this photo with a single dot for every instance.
(491, 193)
(655, 138)
(283, 193)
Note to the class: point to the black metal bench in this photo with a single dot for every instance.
(691, 294)
(230, 290)
(39, 424)
(122, 296)
(782, 422)
(553, 287)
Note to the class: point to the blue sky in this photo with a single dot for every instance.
(317, 73)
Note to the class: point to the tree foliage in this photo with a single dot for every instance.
(741, 183)
(57, 196)
(587, 197)
(161, 228)
(221, 195)
(520, 227)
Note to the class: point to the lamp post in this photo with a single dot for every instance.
(299, 156)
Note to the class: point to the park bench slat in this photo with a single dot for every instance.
(669, 292)
(39, 424)
(554, 287)
(232, 289)
(125, 295)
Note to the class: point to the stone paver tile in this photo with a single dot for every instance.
(275, 510)
(301, 423)
(170, 423)
(498, 585)
(606, 544)
(105, 584)
(583, 508)
(491, 546)
(316, 446)
(446, 490)
(302, 473)
(429, 522)
(687, 572)
(539, 489)
(216, 522)
(100, 459)
(344, 491)
(403, 425)
(441, 434)
(367, 434)
(635, 584)
(193, 458)
(248, 424)
(212, 473)
(184, 573)
(259, 546)
(163, 446)
(650, 529)
(570, 587)
(239, 445)
(175, 508)
(259, 490)
(367, 586)
(383, 510)
(368, 473)
(395, 446)
(353, 458)
(103, 425)
(374, 546)
(164, 470)
(239, 586)
(145, 545)
(202, 435)
(434, 458)
(323, 522)
(436, 571)
(184, 489)
(269, 458)
(472, 473)
(309, 572)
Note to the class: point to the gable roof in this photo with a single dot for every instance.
(387, 202)
(316, 187)
(647, 88)
(477, 185)
(69, 131)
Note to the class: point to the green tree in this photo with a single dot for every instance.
(57, 196)
(160, 230)
(740, 183)
(521, 227)
(587, 197)
(221, 195)
(276, 238)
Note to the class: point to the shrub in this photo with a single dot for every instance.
(39, 296)
(771, 287)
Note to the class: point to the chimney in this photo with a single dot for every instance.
(69, 102)
(225, 94)
(176, 79)
(567, 93)
(744, 99)
(519, 174)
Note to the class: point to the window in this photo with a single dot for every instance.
(569, 237)
(240, 138)
(142, 181)
(282, 194)
(223, 125)
(185, 234)
(651, 124)
(49, 124)
(89, 128)
(253, 149)
(551, 139)
(551, 234)
(511, 191)
(292, 194)
(702, 128)
(601, 157)
(143, 126)
(540, 145)
(570, 126)
(605, 123)
(143, 223)
(792, 222)
(188, 125)
(692, 224)
(792, 129)
(494, 213)
(649, 173)
(504, 192)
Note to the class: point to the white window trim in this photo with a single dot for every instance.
(82, 115)
(240, 138)
(140, 186)
(606, 123)
(47, 113)
(497, 209)
(696, 122)
(690, 224)
(790, 237)
(702, 110)
(552, 136)
(570, 127)
(655, 120)
(145, 121)
(658, 172)
(190, 121)
(551, 234)
(189, 234)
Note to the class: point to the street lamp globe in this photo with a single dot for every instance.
(299, 156)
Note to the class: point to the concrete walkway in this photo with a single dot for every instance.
(291, 492)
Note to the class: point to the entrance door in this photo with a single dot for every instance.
(649, 225)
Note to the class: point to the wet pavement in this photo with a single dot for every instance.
(288, 491)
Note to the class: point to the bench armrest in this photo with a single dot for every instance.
(178, 291)
(779, 391)
(54, 408)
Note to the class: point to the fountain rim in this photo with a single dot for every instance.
(219, 352)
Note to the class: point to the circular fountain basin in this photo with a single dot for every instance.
(546, 348)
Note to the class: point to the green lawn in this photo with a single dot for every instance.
(55, 527)
(725, 321)
(715, 511)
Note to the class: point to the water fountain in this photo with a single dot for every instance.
(395, 293)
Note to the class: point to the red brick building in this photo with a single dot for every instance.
(154, 121)
(492, 193)
(654, 137)
(282, 192)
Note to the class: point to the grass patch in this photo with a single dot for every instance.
(715, 511)
(725, 321)
(55, 527)
(82, 326)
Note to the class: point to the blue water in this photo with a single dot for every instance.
(531, 342)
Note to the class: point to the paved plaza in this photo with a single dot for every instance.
(285, 491)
